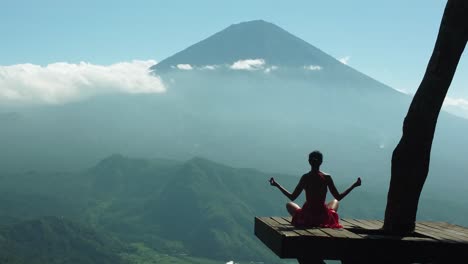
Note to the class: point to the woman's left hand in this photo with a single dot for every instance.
(273, 182)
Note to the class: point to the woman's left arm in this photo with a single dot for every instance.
(291, 196)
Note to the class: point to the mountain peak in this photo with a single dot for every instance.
(257, 39)
(254, 23)
(119, 162)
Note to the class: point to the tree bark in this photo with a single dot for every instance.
(411, 157)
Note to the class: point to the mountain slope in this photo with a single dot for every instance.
(209, 207)
(57, 240)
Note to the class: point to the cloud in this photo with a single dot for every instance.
(459, 102)
(313, 67)
(248, 65)
(209, 67)
(62, 82)
(186, 67)
(456, 106)
(270, 69)
(345, 60)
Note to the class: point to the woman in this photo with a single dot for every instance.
(315, 212)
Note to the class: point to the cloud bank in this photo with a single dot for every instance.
(248, 65)
(186, 67)
(456, 106)
(62, 82)
(459, 102)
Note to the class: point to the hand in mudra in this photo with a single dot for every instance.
(358, 182)
(273, 182)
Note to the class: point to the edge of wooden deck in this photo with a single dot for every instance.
(362, 239)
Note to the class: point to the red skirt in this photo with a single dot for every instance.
(319, 216)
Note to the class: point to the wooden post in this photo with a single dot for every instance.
(410, 160)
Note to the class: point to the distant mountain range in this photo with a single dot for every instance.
(197, 208)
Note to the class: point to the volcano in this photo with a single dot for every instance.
(250, 40)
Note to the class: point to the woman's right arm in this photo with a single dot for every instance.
(334, 191)
(291, 196)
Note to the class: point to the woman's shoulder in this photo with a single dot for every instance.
(325, 175)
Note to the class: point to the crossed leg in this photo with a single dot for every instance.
(292, 208)
(334, 204)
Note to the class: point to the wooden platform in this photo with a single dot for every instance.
(364, 240)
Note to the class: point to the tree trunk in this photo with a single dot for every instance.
(410, 160)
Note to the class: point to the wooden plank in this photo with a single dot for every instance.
(340, 233)
(312, 233)
(285, 230)
(359, 224)
(345, 224)
(348, 224)
(457, 227)
(439, 232)
(461, 229)
(370, 223)
(271, 222)
(430, 232)
(321, 232)
(446, 227)
(286, 227)
(318, 232)
(306, 231)
(461, 233)
(282, 221)
(287, 219)
(445, 232)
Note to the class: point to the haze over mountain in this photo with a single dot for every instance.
(267, 99)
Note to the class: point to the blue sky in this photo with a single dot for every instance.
(389, 40)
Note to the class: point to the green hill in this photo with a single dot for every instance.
(195, 208)
(56, 240)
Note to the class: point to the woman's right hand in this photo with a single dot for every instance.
(358, 182)
(273, 182)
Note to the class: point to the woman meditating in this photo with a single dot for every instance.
(315, 212)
